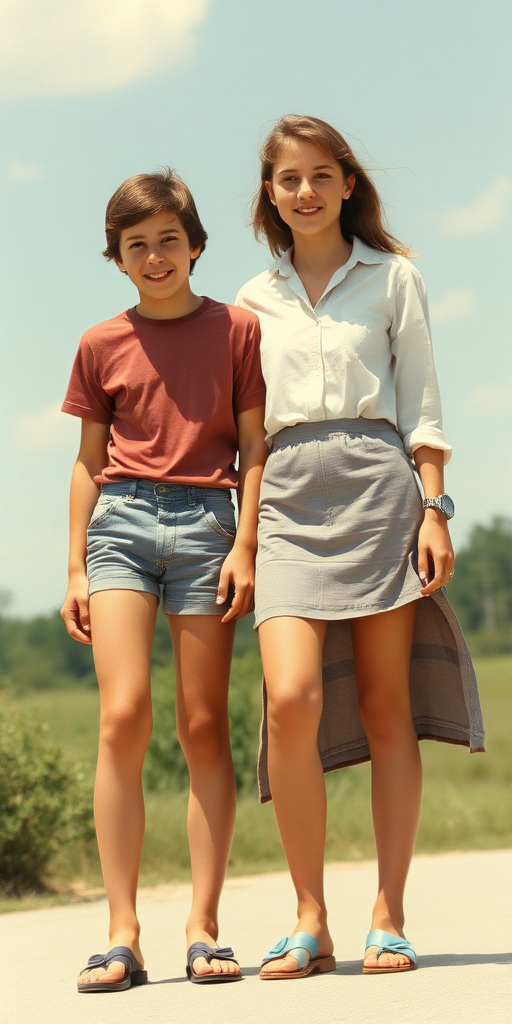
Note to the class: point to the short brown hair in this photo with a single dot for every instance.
(361, 215)
(144, 195)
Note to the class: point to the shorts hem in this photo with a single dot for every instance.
(221, 610)
(124, 583)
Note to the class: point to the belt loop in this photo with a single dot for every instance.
(131, 489)
(191, 495)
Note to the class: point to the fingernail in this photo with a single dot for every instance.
(219, 599)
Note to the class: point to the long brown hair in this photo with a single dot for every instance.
(361, 215)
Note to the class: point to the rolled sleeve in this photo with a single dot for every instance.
(417, 391)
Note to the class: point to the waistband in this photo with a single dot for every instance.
(163, 491)
(330, 428)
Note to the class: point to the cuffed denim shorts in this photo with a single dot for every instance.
(169, 540)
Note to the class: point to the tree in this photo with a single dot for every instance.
(481, 590)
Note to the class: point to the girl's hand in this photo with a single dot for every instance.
(75, 610)
(238, 569)
(435, 553)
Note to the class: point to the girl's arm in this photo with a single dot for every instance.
(92, 458)
(238, 567)
(435, 552)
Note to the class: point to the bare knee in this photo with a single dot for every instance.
(126, 726)
(293, 710)
(384, 717)
(204, 737)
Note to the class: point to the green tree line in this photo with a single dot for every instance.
(37, 653)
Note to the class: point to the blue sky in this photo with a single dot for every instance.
(99, 90)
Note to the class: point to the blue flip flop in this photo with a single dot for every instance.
(304, 948)
(198, 949)
(389, 943)
(134, 973)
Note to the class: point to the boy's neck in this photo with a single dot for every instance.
(180, 304)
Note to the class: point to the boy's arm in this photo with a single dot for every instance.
(92, 458)
(238, 567)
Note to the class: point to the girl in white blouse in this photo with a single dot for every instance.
(344, 541)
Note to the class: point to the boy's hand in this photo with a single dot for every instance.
(75, 610)
(237, 569)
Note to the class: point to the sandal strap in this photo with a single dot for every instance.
(121, 954)
(96, 960)
(302, 946)
(389, 943)
(210, 953)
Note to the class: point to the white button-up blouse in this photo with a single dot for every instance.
(363, 350)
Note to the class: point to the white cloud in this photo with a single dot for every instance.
(453, 306)
(45, 430)
(21, 170)
(489, 398)
(58, 47)
(486, 211)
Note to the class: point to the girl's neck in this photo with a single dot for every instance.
(318, 254)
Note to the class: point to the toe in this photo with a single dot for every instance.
(201, 966)
(115, 972)
(88, 977)
(287, 963)
(385, 959)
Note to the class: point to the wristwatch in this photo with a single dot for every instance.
(443, 502)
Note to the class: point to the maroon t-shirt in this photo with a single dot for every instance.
(171, 391)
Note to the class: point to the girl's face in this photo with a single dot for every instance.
(308, 187)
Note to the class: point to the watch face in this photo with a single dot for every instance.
(447, 507)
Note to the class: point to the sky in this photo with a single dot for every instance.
(95, 91)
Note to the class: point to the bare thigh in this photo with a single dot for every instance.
(122, 627)
(291, 652)
(203, 647)
(382, 650)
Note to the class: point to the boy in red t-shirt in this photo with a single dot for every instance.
(168, 393)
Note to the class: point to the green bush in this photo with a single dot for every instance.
(44, 803)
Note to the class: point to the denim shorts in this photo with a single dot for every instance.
(169, 540)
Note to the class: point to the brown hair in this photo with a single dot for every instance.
(144, 195)
(361, 215)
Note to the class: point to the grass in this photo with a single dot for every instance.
(467, 800)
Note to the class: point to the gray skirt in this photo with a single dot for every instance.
(340, 511)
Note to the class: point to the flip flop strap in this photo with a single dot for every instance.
(198, 949)
(389, 943)
(302, 946)
(121, 954)
(97, 960)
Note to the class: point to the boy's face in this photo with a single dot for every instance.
(156, 254)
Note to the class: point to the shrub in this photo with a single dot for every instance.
(44, 803)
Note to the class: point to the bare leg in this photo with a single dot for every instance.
(382, 649)
(202, 650)
(122, 626)
(291, 650)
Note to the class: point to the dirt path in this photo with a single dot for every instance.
(458, 920)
